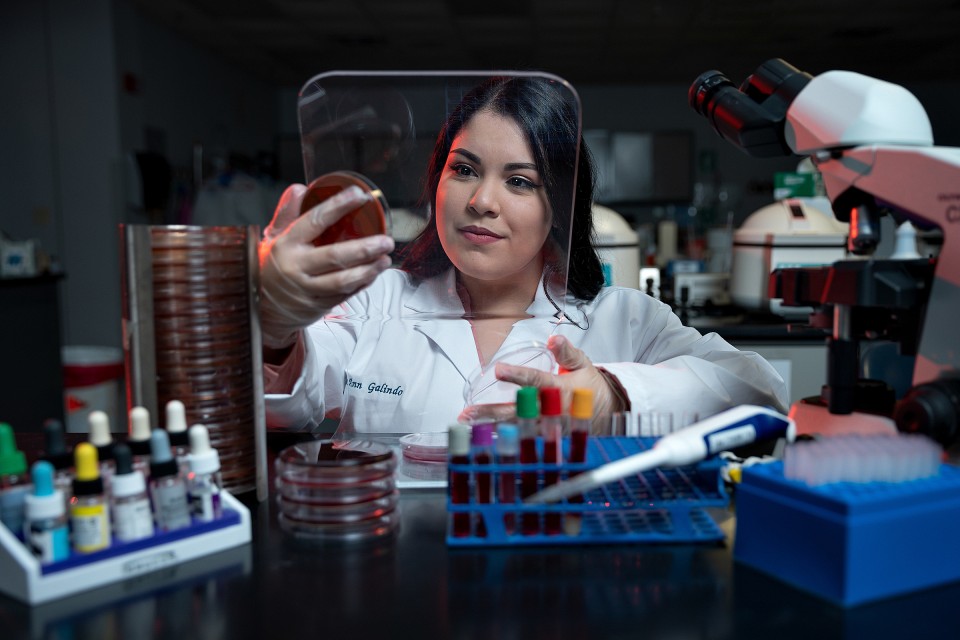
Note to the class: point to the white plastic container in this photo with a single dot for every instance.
(24, 578)
(93, 380)
(799, 232)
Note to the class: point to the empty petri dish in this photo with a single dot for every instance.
(425, 447)
(483, 387)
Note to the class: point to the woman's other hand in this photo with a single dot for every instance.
(576, 371)
(300, 282)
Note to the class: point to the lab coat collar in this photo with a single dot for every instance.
(437, 312)
(438, 296)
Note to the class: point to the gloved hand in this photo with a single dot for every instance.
(576, 371)
(300, 282)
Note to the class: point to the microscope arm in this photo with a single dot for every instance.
(923, 185)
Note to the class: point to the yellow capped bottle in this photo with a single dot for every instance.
(89, 511)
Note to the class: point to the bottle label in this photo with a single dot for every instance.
(132, 520)
(91, 527)
(11, 507)
(205, 503)
(171, 508)
(49, 544)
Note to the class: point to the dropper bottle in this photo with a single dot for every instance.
(177, 430)
(132, 518)
(55, 452)
(139, 439)
(45, 522)
(14, 481)
(89, 512)
(204, 483)
(167, 488)
(101, 438)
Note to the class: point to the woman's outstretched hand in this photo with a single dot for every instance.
(576, 371)
(300, 282)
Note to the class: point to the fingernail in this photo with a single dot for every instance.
(379, 243)
(352, 193)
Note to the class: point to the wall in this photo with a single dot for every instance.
(70, 121)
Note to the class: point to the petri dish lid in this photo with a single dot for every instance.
(484, 387)
(369, 219)
(430, 446)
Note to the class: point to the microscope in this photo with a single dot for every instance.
(873, 145)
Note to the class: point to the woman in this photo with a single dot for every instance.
(484, 277)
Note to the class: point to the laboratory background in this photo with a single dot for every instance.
(123, 115)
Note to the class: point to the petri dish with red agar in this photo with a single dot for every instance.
(370, 218)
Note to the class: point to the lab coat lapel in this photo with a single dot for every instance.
(434, 309)
(537, 328)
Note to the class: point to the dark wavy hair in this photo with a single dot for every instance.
(551, 126)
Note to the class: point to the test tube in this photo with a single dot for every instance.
(458, 443)
(551, 428)
(481, 441)
(527, 414)
(508, 451)
(581, 418)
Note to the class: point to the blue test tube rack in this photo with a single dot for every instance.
(659, 506)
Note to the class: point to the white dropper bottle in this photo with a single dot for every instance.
(101, 438)
(139, 439)
(177, 430)
(204, 483)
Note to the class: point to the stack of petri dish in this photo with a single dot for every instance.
(203, 338)
(337, 490)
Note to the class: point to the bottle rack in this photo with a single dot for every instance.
(23, 577)
(658, 506)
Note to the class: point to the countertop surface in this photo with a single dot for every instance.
(411, 585)
(738, 326)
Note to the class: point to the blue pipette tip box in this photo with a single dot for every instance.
(850, 543)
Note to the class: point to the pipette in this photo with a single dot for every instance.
(724, 431)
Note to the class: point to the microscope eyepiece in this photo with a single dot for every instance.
(701, 91)
(751, 117)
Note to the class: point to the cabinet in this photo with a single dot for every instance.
(31, 373)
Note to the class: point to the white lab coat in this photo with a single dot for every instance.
(396, 358)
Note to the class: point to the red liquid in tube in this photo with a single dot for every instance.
(459, 481)
(551, 428)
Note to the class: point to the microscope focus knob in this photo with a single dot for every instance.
(932, 409)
